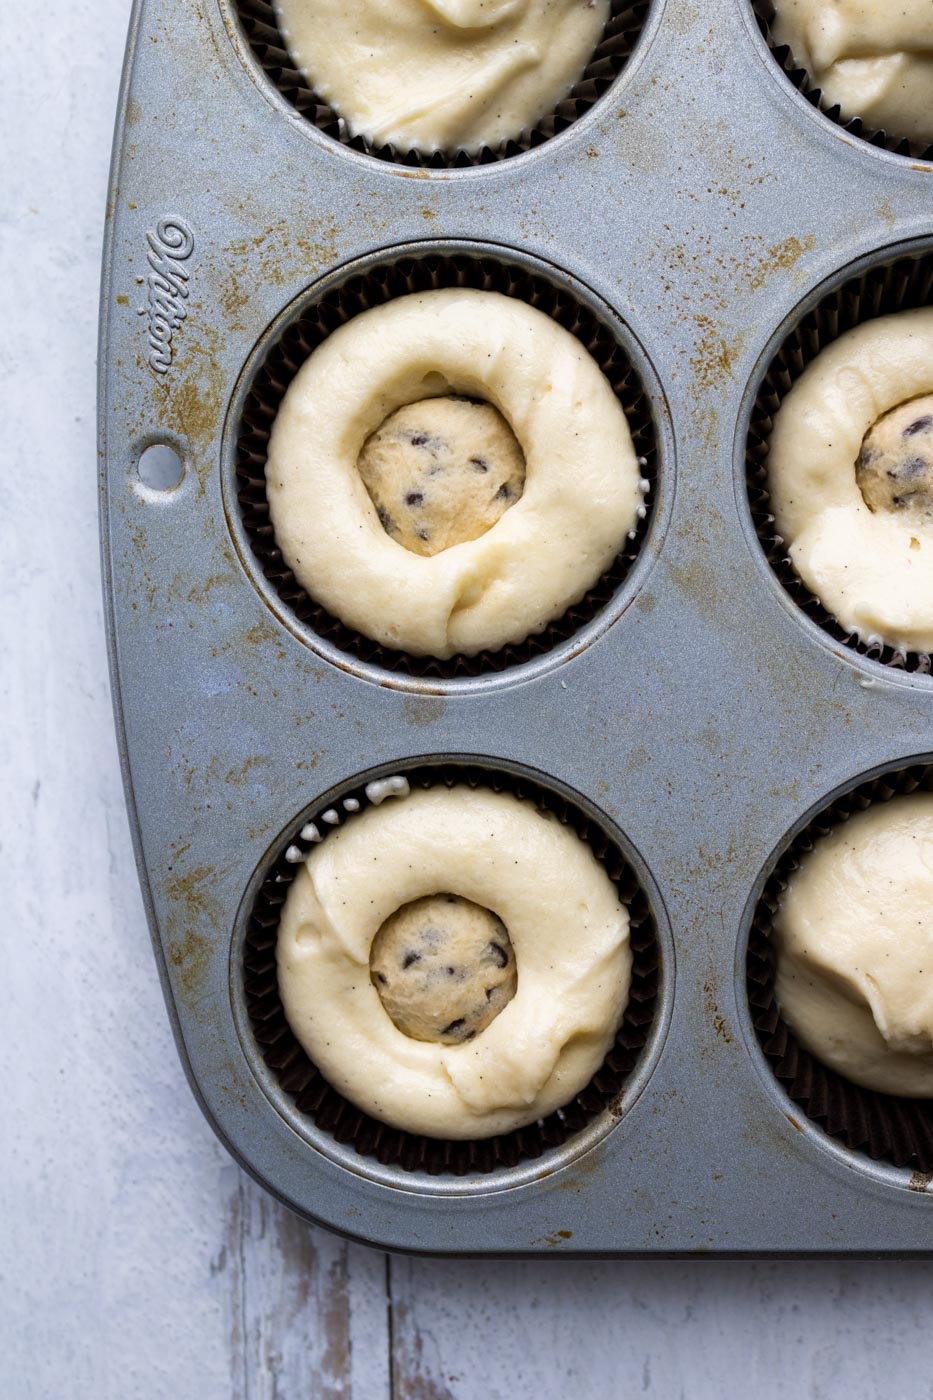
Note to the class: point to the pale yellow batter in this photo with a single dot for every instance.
(441, 472)
(444, 968)
(441, 75)
(872, 57)
(582, 490)
(854, 938)
(866, 558)
(567, 927)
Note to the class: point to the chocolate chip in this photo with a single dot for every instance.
(422, 533)
(921, 425)
(498, 954)
(915, 467)
(419, 439)
(504, 492)
(414, 498)
(382, 979)
(385, 520)
(454, 1027)
(479, 464)
(451, 971)
(411, 958)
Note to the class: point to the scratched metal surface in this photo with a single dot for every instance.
(703, 201)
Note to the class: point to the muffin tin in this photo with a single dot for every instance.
(697, 715)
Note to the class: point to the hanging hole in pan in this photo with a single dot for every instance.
(160, 467)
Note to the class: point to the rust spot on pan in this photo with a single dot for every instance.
(191, 903)
(714, 1015)
(190, 957)
(781, 257)
(421, 710)
(555, 1240)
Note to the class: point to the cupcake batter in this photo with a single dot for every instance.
(441, 472)
(441, 75)
(444, 968)
(569, 934)
(874, 58)
(854, 937)
(581, 492)
(867, 558)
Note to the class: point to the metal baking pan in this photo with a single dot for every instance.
(702, 204)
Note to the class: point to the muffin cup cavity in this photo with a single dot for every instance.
(329, 1111)
(898, 284)
(431, 269)
(884, 1127)
(623, 30)
(801, 79)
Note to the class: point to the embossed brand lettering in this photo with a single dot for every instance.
(171, 244)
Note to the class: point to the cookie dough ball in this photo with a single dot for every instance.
(871, 57)
(444, 968)
(895, 466)
(441, 472)
(854, 942)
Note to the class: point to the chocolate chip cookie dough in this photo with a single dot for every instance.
(354, 545)
(444, 968)
(441, 472)
(441, 75)
(376, 890)
(874, 58)
(849, 469)
(854, 941)
(894, 470)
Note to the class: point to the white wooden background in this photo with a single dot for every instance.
(135, 1259)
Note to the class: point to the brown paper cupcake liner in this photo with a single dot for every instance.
(315, 1098)
(623, 30)
(885, 1127)
(897, 285)
(801, 79)
(428, 271)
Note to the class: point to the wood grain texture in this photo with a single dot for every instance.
(135, 1258)
(703, 1330)
(308, 1312)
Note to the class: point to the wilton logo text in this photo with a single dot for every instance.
(171, 244)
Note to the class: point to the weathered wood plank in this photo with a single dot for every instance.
(705, 1330)
(313, 1315)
